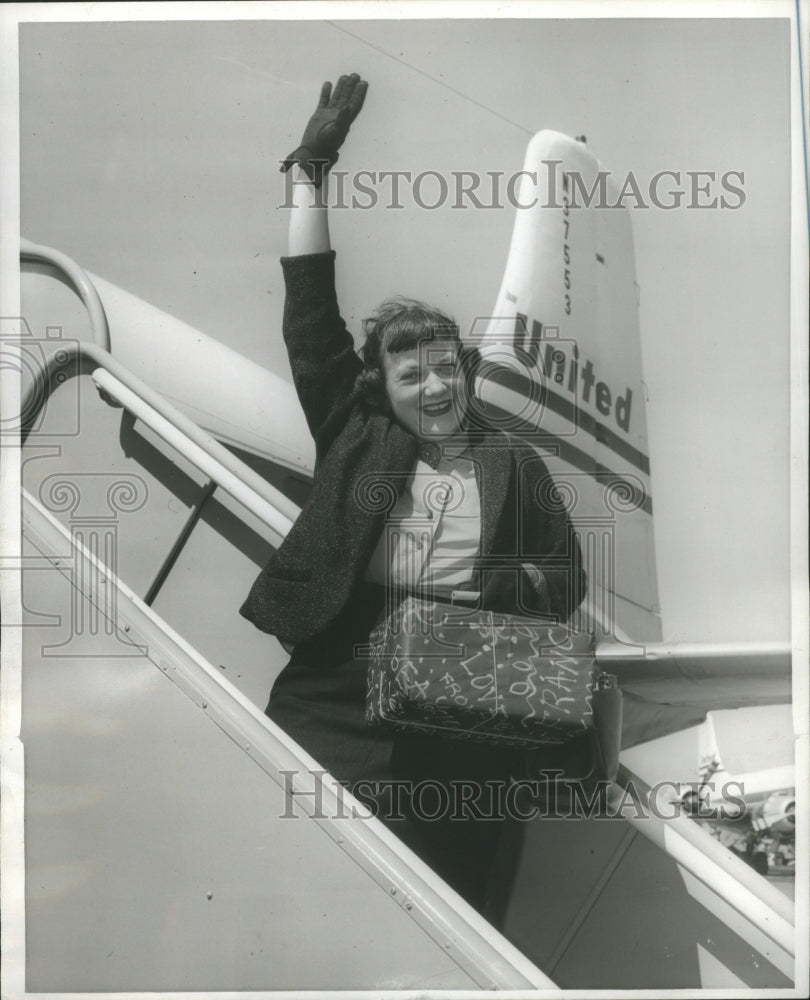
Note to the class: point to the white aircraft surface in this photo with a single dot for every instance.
(163, 848)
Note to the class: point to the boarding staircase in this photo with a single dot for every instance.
(173, 839)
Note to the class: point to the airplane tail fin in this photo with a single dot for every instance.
(562, 369)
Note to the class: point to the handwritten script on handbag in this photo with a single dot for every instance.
(480, 675)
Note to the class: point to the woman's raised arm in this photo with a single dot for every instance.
(321, 351)
(309, 220)
(318, 152)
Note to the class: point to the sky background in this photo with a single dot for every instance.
(149, 153)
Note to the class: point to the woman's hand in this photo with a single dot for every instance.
(328, 127)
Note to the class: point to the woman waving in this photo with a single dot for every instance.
(411, 496)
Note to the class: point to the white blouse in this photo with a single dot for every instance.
(431, 537)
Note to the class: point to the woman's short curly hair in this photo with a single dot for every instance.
(400, 324)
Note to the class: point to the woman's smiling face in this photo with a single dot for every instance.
(426, 389)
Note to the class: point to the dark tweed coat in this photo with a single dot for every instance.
(363, 461)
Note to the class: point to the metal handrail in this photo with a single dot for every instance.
(709, 861)
(248, 487)
(203, 457)
(228, 471)
(78, 281)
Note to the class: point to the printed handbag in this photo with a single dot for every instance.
(480, 675)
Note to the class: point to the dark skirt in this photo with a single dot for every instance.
(443, 798)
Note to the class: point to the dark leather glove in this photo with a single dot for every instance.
(328, 127)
